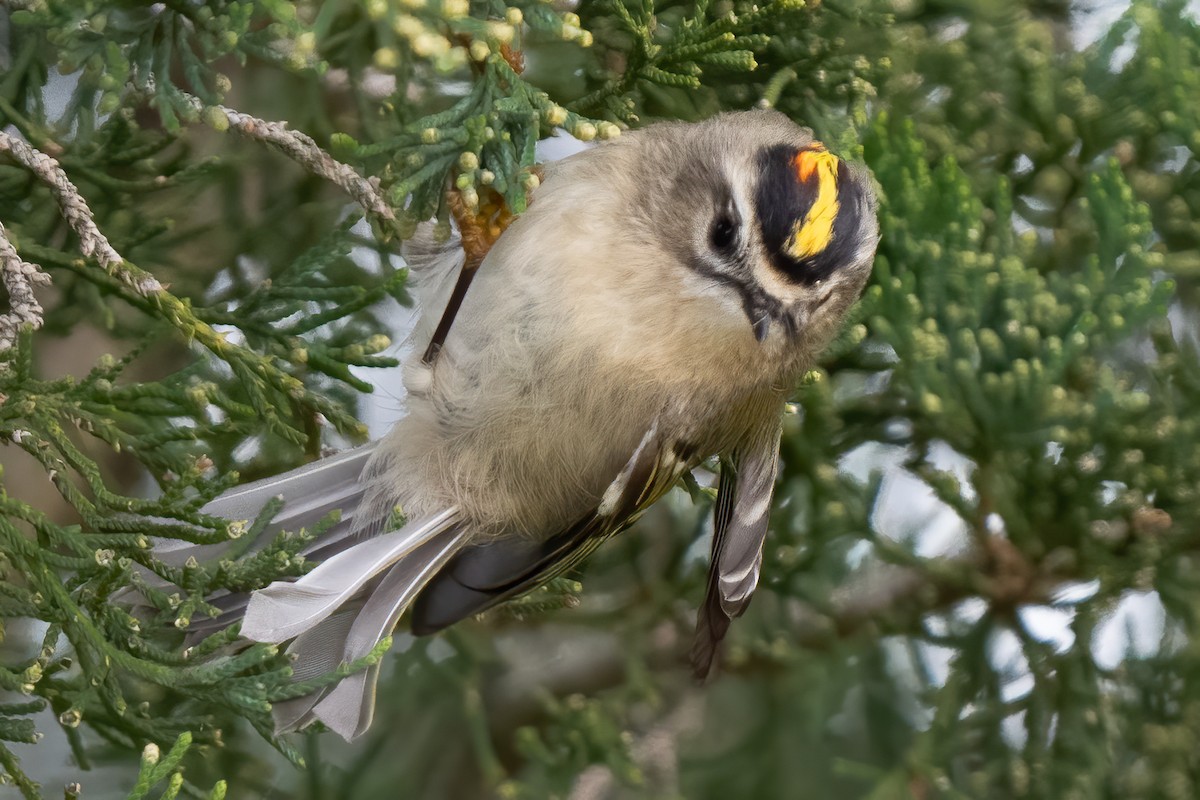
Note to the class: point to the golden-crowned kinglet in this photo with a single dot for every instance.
(654, 307)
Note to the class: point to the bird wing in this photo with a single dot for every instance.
(481, 576)
(739, 529)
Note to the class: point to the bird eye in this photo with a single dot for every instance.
(723, 234)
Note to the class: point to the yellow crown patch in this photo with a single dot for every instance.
(813, 234)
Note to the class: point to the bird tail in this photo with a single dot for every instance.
(309, 494)
(347, 604)
(338, 613)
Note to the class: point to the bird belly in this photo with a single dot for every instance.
(518, 451)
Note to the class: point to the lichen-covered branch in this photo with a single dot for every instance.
(304, 151)
(75, 211)
(19, 279)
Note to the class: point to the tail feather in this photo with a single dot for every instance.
(309, 493)
(233, 608)
(344, 607)
(284, 610)
(349, 707)
(231, 605)
(316, 652)
(304, 487)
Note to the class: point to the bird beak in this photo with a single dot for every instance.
(762, 326)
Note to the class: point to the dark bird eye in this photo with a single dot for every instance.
(723, 233)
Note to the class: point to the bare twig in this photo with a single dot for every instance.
(75, 211)
(19, 279)
(302, 149)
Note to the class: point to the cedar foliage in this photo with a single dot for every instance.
(1021, 375)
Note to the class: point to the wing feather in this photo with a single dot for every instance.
(482, 576)
(739, 530)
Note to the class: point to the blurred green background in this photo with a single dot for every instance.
(982, 578)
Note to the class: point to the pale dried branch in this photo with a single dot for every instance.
(306, 152)
(75, 211)
(19, 278)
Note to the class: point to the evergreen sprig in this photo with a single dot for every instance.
(139, 47)
(725, 41)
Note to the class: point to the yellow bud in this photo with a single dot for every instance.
(429, 44)
(386, 58)
(501, 31)
(408, 27)
(215, 118)
(306, 43)
(479, 50)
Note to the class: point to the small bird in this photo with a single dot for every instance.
(653, 308)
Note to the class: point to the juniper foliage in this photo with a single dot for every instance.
(1020, 377)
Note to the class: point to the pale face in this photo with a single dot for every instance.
(783, 226)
